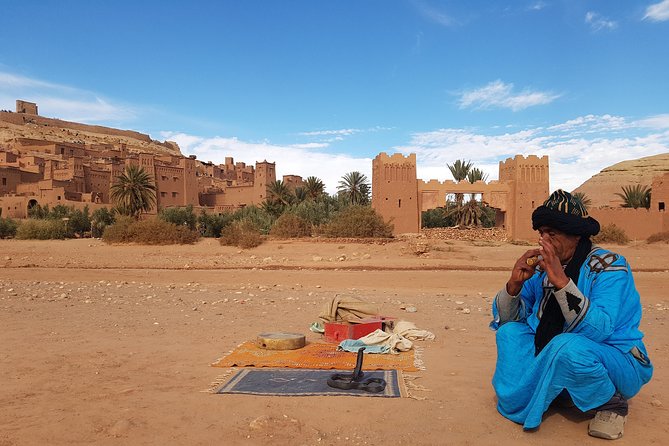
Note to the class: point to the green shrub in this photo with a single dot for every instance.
(179, 216)
(7, 228)
(153, 231)
(79, 222)
(260, 218)
(358, 221)
(101, 218)
(290, 226)
(659, 237)
(38, 211)
(241, 233)
(211, 225)
(611, 234)
(42, 230)
(317, 212)
(436, 218)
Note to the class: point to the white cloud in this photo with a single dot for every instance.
(591, 124)
(577, 149)
(61, 101)
(655, 122)
(598, 23)
(658, 12)
(289, 159)
(537, 6)
(497, 94)
(341, 132)
(433, 14)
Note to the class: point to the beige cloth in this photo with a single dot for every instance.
(348, 309)
(410, 331)
(394, 341)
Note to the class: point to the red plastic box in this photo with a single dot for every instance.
(338, 331)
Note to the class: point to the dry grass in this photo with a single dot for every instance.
(611, 234)
(290, 226)
(659, 237)
(148, 232)
(241, 233)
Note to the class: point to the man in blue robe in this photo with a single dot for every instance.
(567, 325)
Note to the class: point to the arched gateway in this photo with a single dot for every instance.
(401, 197)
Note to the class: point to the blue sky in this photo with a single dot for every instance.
(321, 87)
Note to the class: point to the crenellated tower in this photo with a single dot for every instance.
(395, 191)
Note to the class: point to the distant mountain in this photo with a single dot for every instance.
(601, 189)
(17, 126)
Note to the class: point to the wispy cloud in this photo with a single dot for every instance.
(294, 159)
(655, 122)
(341, 132)
(598, 23)
(537, 6)
(62, 101)
(577, 149)
(658, 12)
(434, 14)
(498, 94)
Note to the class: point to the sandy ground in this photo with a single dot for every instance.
(112, 345)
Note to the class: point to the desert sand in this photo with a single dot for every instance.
(111, 345)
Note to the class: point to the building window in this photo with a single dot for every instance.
(175, 194)
(661, 205)
(163, 194)
(4, 181)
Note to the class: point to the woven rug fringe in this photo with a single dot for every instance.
(218, 382)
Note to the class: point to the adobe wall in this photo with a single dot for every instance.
(638, 224)
(400, 197)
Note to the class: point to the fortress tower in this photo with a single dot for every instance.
(395, 191)
(265, 174)
(528, 188)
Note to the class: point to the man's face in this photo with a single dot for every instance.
(564, 244)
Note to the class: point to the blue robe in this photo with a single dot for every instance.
(599, 353)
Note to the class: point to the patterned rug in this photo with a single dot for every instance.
(302, 382)
(315, 355)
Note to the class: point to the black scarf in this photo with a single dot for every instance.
(552, 320)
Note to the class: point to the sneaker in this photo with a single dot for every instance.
(608, 425)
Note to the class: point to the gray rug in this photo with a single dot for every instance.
(305, 382)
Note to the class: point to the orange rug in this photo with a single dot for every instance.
(315, 355)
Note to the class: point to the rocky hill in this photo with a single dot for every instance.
(601, 189)
(14, 126)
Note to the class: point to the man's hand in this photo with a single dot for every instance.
(551, 264)
(521, 272)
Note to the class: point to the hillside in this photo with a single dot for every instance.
(21, 125)
(601, 189)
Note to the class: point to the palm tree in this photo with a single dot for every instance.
(134, 191)
(355, 188)
(300, 193)
(278, 192)
(460, 169)
(636, 196)
(583, 198)
(314, 187)
(475, 174)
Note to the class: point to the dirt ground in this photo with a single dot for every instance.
(111, 345)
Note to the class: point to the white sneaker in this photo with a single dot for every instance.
(608, 425)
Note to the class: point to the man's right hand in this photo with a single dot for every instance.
(521, 272)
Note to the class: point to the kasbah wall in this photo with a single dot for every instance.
(73, 174)
(523, 185)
